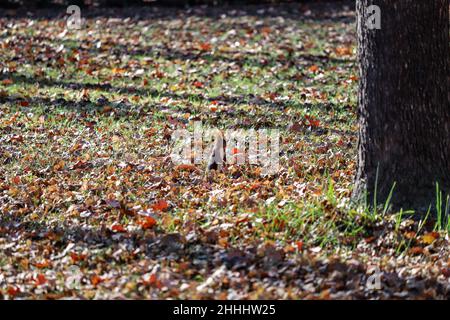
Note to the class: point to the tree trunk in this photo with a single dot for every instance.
(404, 110)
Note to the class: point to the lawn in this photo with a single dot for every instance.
(92, 206)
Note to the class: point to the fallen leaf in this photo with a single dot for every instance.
(430, 237)
(117, 228)
(40, 279)
(313, 68)
(416, 250)
(160, 205)
(147, 222)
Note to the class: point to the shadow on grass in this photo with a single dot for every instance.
(344, 279)
(323, 11)
(136, 110)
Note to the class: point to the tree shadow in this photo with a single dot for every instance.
(317, 11)
(341, 279)
(122, 108)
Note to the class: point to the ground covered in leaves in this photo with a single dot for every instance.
(91, 205)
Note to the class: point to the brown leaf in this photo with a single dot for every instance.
(7, 82)
(186, 167)
(416, 250)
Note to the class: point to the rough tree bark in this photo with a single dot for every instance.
(404, 110)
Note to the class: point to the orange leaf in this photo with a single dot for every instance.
(118, 70)
(198, 84)
(41, 265)
(147, 223)
(152, 280)
(77, 257)
(95, 279)
(343, 51)
(160, 205)
(186, 167)
(59, 166)
(313, 68)
(312, 122)
(16, 180)
(266, 30)
(430, 237)
(40, 279)
(205, 46)
(410, 235)
(117, 228)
